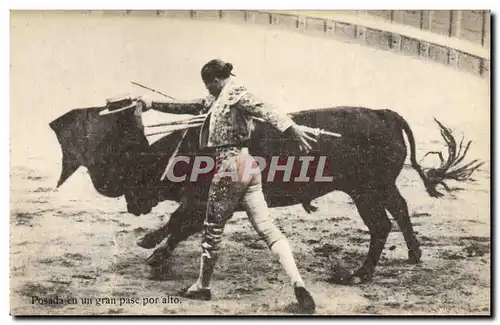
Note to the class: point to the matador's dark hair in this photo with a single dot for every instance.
(216, 69)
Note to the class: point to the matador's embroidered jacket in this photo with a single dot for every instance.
(229, 115)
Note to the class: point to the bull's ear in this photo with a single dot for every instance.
(69, 166)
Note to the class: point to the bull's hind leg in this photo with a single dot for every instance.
(371, 209)
(398, 208)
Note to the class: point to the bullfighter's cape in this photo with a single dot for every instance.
(103, 144)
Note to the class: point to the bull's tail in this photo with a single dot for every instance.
(403, 124)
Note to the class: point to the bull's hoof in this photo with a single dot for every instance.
(158, 257)
(414, 256)
(309, 207)
(148, 241)
(201, 294)
(362, 275)
(344, 277)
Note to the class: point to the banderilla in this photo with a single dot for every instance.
(153, 90)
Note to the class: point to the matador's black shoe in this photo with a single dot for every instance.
(305, 300)
(200, 294)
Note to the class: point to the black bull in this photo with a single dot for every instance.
(364, 163)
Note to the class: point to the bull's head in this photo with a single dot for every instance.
(453, 167)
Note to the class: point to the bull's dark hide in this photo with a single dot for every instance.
(114, 149)
(364, 163)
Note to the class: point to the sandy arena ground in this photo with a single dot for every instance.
(71, 242)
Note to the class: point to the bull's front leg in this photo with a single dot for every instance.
(154, 237)
(181, 226)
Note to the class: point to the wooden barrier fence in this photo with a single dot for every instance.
(459, 39)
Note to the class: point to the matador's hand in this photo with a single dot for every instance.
(301, 136)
